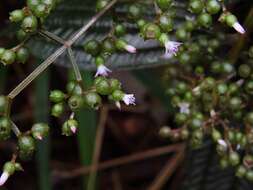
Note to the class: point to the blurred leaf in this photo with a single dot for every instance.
(43, 153)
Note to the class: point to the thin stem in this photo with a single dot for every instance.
(74, 64)
(52, 36)
(15, 129)
(57, 53)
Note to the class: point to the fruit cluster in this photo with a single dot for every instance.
(209, 98)
(77, 97)
(30, 19)
(213, 98)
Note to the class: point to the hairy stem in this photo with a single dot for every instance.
(74, 64)
(51, 36)
(57, 53)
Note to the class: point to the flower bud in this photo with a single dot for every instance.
(234, 158)
(40, 130)
(8, 170)
(26, 145)
(75, 102)
(92, 47)
(22, 55)
(93, 100)
(5, 128)
(57, 110)
(165, 132)
(17, 16)
(56, 96)
(69, 127)
(29, 24)
(103, 86)
(8, 57)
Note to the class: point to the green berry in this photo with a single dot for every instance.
(249, 118)
(196, 6)
(184, 134)
(165, 132)
(120, 30)
(163, 4)
(74, 88)
(189, 25)
(108, 46)
(92, 47)
(196, 123)
(30, 24)
(249, 175)
(180, 118)
(230, 20)
(224, 163)
(21, 35)
(251, 52)
(117, 95)
(9, 167)
(93, 100)
(5, 128)
(166, 23)
(151, 31)
(115, 84)
(2, 50)
(235, 103)
(22, 55)
(241, 171)
(205, 20)
(57, 110)
(26, 145)
(101, 4)
(216, 135)
(56, 96)
(234, 158)
(41, 11)
(18, 167)
(184, 58)
(69, 127)
(32, 4)
(17, 16)
(103, 87)
(244, 70)
(8, 57)
(75, 102)
(249, 87)
(213, 6)
(3, 104)
(134, 11)
(40, 130)
(182, 34)
(222, 88)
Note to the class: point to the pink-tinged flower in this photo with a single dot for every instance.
(184, 107)
(4, 177)
(238, 27)
(73, 129)
(39, 137)
(129, 99)
(171, 48)
(130, 48)
(102, 71)
(222, 143)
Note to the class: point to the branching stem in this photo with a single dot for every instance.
(57, 53)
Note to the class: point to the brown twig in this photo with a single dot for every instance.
(167, 171)
(121, 161)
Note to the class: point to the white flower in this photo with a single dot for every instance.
(128, 99)
(102, 70)
(238, 27)
(118, 104)
(130, 48)
(184, 107)
(4, 177)
(171, 48)
(222, 143)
